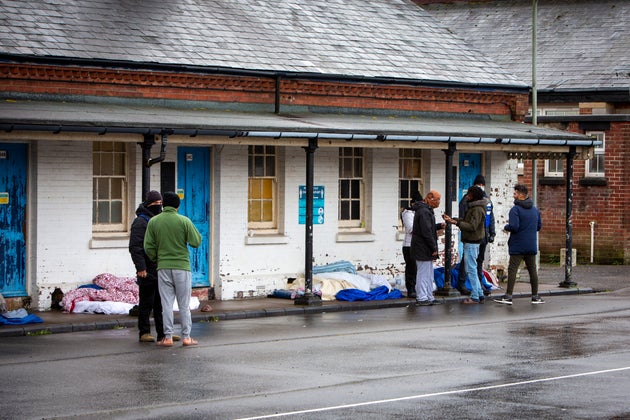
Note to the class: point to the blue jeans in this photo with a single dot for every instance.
(471, 252)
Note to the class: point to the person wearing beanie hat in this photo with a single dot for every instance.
(153, 196)
(171, 200)
(166, 242)
(146, 270)
(480, 181)
(410, 263)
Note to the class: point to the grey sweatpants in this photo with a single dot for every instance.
(175, 284)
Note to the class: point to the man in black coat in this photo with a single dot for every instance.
(424, 247)
(146, 270)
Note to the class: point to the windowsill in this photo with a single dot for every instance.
(355, 237)
(552, 180)
(274, 239)
(110, 241)
(593, 181)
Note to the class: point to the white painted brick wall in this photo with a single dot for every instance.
(63, 198)
(64, 258)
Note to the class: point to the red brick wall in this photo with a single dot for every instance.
(77, 81)
(606, 205)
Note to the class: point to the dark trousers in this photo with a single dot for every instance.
(461, 279)
(149, 302)
(530, 263)
(410, 271)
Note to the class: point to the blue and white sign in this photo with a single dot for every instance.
(318, 205)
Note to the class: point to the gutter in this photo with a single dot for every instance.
(102, 130)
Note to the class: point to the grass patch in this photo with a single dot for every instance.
(39, 332)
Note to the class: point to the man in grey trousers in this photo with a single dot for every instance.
(166, 241)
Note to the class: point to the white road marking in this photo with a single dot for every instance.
(436, 394)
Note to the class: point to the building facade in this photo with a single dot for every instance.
(89, 126)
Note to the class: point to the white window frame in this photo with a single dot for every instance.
(599, 151)
(355, 176)
(269, 155)
(410, 167)
(102, 186)
(551, 168)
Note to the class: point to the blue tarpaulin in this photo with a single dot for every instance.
(380, 293)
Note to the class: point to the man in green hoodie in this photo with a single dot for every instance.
(166, 242)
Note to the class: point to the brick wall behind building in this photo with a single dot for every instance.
(606, 205)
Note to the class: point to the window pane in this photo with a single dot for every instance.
(356, 210)
(254, 211)
(346, 168)
(259, 166)
(404, 189)
(270, 166)
(267, 188)
(107, 146)
(103, 211)
(358, 168)
(355, 189)
(267, 211)
(103, 189)
(255, 189)
(344, 210)
(96, 163)
(119, 164)
(344, 188)
(117, 189)
(416, 168)
(116, 212)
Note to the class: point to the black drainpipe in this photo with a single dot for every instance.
(277, 96)
(147, 161)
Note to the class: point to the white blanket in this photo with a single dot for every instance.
(109, 307)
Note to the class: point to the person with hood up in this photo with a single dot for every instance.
(524, 223)
(472, 227)
(410, 263)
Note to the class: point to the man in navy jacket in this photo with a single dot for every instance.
(523, 225)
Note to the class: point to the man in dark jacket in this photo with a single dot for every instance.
(424, 247)
(146, 270)
(523, 225)
(472, 226)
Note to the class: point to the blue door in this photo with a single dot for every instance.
(13, 160)
(193, 187)
(469, 168)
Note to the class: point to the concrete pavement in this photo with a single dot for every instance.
(589, 279)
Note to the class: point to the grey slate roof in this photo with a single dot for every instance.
(582, 44)
(362, 38)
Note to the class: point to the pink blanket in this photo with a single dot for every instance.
(116, 289)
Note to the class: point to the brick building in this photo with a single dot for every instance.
(101, 101)
(583, 85)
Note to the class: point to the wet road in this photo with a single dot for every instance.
(567, 359)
